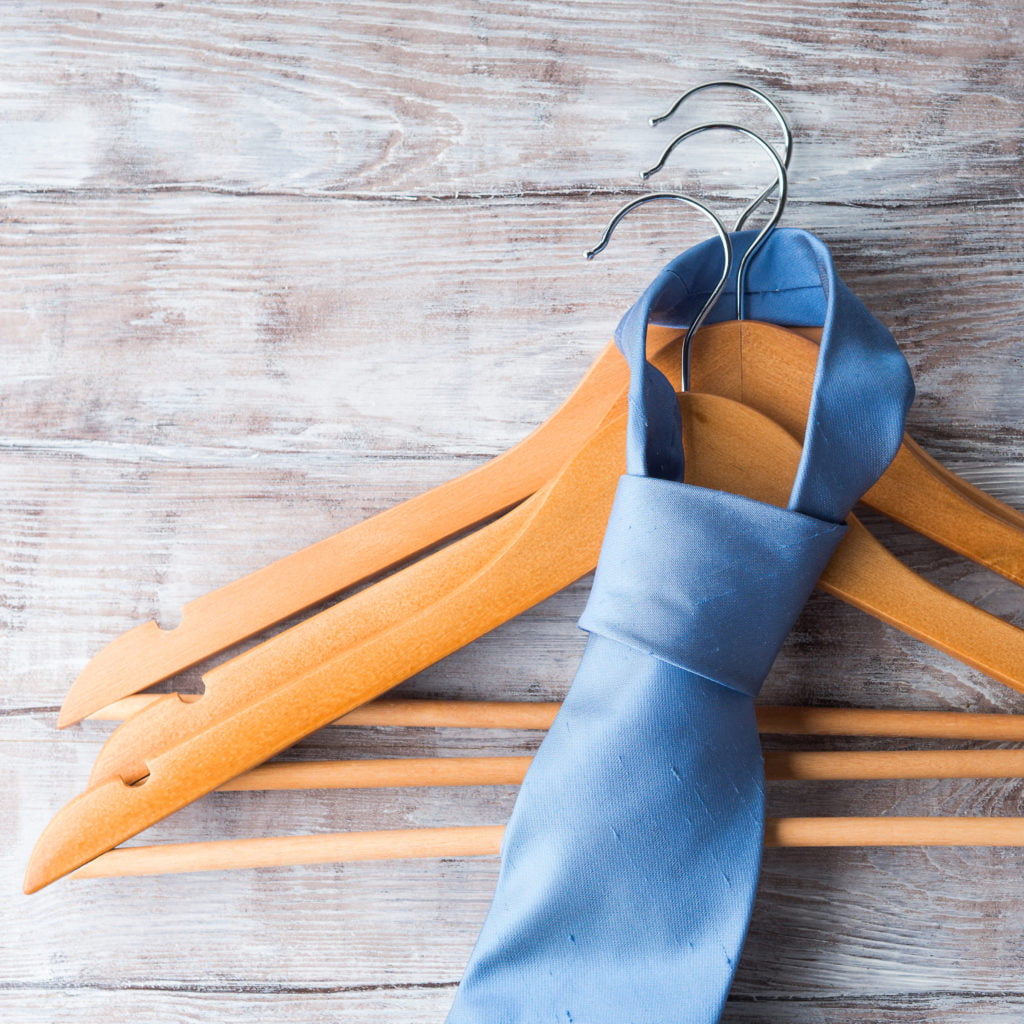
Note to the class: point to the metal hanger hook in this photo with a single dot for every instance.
(787, 134)
(781, 180)
(723, 236)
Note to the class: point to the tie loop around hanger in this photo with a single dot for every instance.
(787, 134)
(781, 181)
(793, 283)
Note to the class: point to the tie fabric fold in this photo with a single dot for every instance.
(630, 861)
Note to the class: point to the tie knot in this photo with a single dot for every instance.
(709, 581)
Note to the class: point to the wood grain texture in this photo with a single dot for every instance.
(910, 101)
(268, 268)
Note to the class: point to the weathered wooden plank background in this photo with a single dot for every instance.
(268, 268)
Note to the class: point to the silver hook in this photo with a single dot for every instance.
(781, 181)
(723, 236)
(787, 135)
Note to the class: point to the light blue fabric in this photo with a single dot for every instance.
(631, 858)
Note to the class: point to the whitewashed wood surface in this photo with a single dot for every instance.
(268, 268)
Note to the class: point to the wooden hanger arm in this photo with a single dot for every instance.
(216, 621)
(869, 577)
(774, 719)
(999, 509)
(912, 492)
(485, 840)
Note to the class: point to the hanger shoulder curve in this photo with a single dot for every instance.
(772, 369)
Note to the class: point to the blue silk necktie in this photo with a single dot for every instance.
(631, 858)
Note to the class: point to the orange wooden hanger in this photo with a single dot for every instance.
(266, 699)
(260, 702)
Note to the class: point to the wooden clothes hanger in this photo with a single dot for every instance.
(174, 751)
(197, 741)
